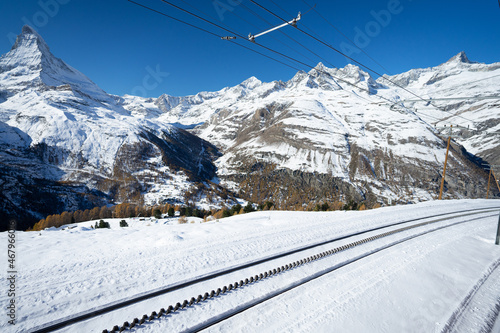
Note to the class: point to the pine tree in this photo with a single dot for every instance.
(171, 212)
(157, 213)
(248, 208)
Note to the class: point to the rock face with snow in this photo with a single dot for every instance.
(464, 94)
(67, 144)
(319, 137)
(324, 135)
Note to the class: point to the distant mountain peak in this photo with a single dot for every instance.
(30, 38)
(320, 66)
(30, 56)
(319, 69)
(251, 82)
(460, 58)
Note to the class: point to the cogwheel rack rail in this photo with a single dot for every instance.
(68, 321)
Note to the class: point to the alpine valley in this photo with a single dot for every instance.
(325, 136)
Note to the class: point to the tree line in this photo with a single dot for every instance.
(128, 210)
(124, 210)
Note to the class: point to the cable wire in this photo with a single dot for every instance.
(232, 12)
(288, 36)
(173, 18)
(263, 46)
(338, 51)
(274, 51)
(211, 33)
(352, 42)
(359, 63)
(276, 39)
(279, 53)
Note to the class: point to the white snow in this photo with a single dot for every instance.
(309, 123)
(412, 287)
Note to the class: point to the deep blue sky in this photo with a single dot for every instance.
(118, 44)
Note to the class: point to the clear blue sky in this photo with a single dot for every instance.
(118, 44)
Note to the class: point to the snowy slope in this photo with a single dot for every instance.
(476, 118)
(322, 137)
(318, 122)
(413, 287)
(66, 122)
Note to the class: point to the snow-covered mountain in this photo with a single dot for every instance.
(323, 136)
(320, 135)
(59, 129)
(465, 94)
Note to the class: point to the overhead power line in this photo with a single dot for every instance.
(354, 60)
(480, 98)
(340, 32)
(340, 52)
(231, 38)
(211, 33)
(276, 39)
(271, 50)
(260, 45)
(173, 18)
(350, 40)
(289, 37)
(471, 82)
(302, 24)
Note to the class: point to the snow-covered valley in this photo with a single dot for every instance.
(446, 277)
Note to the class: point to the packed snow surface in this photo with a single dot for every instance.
(414, 286)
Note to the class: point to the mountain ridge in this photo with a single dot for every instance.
(81, 140)
(315, 138)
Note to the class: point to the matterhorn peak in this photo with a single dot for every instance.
(29, 51)
(30, 38)
(31, 57)
(459, 58)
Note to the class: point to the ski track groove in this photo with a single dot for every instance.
(459, 314)
(393, 268)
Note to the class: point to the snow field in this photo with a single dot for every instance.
(412, 287)
(63, 272)
(199, 313)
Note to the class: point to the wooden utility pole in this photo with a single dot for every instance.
(498, 232)
(445, 163)
(488, 190)
(495, 178)
(444, 169)
(492, 173)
